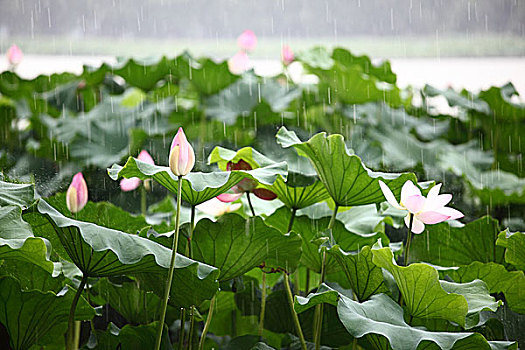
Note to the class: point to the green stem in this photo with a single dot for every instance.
(192, 327)
(172, 267)
(292, 310)
(292, 218)
(182, 325)
(71, 345)
(192, 227)
(143, 202)
(409, 238)
(250, 203)
(207, 324)
(307, 282)
(263, 305)
(319, 308)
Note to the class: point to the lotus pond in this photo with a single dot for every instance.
(333, 212)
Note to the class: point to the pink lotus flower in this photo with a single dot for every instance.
(14, 55)
(130, 184)
(245, 185)
(239, 63)
(247, 41)
(182, 157)
(77, 194)
(217, 208)
(429, 210)
(287, 55)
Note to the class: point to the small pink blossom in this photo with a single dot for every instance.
(239, 63)
(247, 41)
(287, 55)
(14, 55)
(429, 210)
(182, 157)
(77, 194)
(130, 184)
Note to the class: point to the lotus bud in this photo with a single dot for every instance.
(239, 63)
(182, 157)
(14, 55)
(77, 194)
(287, 55)
(146, 158)
(130, 184)
(247, 41)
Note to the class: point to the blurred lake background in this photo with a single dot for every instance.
(464, 43)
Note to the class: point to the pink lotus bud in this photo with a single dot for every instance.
(182, 157)
(145, 157)
(14, 55)
(130, 184)
(239, 63)
(247, 41)
(77, 194)
(287, 55)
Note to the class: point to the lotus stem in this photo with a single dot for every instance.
(182, 325)
(71, 344)
(250, 203)
(172, 267)
(292, 218)
(292, 310)
(192, 327)
(190, 238)
(318, 324)
(143, 201)
(263, 304)
(207, 324)
(409, 237)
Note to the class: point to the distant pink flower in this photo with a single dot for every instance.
(14, 55)
(134, 182)
(182, 157)
(239, 63)
(287, 55)
(429, 210)
(247, 41)
(217, 208)
(245, 185)
(77, 194)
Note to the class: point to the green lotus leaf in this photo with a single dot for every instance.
(497, 278)
(456, 246)
(345, 177)
(421, 289)
(298, 197)
(196, 187)
(99, 251)
(35, 317)
(17, 241)
(358, 272)
(324, 295)
(381, 318)
(22, 195)
(514, 244)
(236, 245)
(312, 229)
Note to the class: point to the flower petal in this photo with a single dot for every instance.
(408, 190)
(265, 194)
(127, 185)
(145, 157)
(451, 212)
(229, 197)
(432, 217)
(389, 195)
(417, 225)
(414, 203)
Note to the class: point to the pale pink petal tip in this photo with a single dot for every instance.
(239, 63)
(127, 185)
(14, 55)
(287, 55)
(229, 197)
(247, 40)
(145, 157)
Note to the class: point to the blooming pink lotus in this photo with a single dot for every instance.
(287, 55)
(429, 210)
(245, 185)
(130, 184)
(182, 157)
(77, 194)
(14, 55)
(247, 41)
(239, 63)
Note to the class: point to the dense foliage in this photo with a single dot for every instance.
(329, 237)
